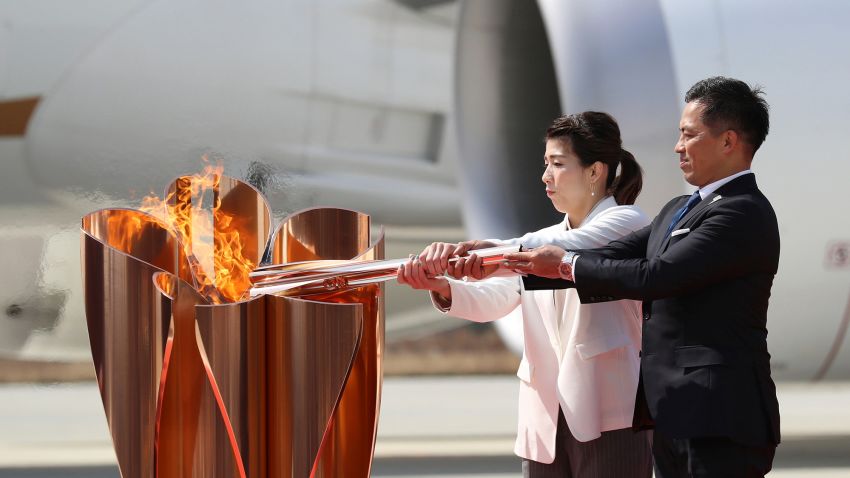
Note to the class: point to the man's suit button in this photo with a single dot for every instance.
(646, 316)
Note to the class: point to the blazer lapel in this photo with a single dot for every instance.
(657, 240)
(693, 212)
(738, 185)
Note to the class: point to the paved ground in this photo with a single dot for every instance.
(430, 427)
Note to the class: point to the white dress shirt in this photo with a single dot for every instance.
(705, 191)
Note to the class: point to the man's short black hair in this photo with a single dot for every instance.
(731, 104)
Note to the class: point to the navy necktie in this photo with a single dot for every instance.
(692, 201)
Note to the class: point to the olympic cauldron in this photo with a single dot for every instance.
(200, 379)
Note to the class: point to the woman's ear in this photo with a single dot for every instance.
(597, 170)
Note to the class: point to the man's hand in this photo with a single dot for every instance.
(543, 261)
(473, 267)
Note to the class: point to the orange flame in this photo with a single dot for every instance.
(209, 238)
(231, 265)
(123, 231)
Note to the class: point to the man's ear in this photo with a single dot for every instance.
(730, 140)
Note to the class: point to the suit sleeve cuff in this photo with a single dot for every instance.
(575, 261)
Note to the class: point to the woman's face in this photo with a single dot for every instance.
(567, 182)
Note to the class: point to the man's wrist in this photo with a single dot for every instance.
(566, 268)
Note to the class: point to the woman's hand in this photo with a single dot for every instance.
(435, 258)
(413, 274)
(434, 262)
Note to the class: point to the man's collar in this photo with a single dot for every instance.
(705, 191)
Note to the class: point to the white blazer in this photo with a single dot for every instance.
(595, 381)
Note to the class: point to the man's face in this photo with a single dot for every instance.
(700, 151)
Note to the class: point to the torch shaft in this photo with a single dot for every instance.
(277, 279)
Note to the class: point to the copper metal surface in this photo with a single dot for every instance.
(321, 233)
(311, 348)
(128, 326)
(306, 236)
(187, 405)
(268, 387)
(355, 427)
(233, 343)
(251, 215)
(279, 365)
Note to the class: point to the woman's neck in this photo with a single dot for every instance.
(578, 216)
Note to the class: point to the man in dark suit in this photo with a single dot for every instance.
(703, 269)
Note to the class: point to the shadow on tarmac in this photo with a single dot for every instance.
(794, 453)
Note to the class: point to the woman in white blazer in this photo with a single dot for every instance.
(579, 370)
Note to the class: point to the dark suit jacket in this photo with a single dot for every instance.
(705, 368)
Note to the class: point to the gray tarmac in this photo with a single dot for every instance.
(430, 427)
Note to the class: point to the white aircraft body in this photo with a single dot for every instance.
(422, 113)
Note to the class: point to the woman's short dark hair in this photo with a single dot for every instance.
(731, 104)
(595, 136)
